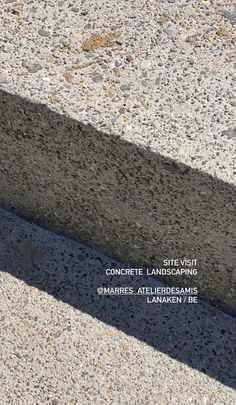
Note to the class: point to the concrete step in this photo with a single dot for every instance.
(62, 343)
(117, 128)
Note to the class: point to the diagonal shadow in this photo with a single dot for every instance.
(116, 195)
(200, 336)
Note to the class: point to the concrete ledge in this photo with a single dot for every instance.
(117, 128)
(116, 196)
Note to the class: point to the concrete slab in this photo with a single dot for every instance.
(117, 127)
(61, 343)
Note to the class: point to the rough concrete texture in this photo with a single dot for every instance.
(134, 148)
(64, 344)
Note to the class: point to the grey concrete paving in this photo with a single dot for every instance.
(168, 65)
(61, 343)
(136, 137)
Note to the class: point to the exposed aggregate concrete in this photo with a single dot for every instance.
(178, 60)
(141, 161)
(63, 344)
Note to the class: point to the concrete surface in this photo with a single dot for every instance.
(136, 136)
(61, 343)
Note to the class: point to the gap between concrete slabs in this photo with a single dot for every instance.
(124, 199)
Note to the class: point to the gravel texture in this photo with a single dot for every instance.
(134, 150)
(63, 344)
(189, 46)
